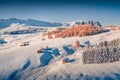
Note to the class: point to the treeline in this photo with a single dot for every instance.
(81, 30)
(104, 52)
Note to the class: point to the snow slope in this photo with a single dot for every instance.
(16, 28)
(23, 63)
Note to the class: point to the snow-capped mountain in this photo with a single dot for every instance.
(82, 22)
(30, 22)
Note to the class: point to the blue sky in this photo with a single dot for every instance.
(107, 12)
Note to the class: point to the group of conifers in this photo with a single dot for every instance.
(104, 52)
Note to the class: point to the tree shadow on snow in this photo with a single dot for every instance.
(69, 49)
(82, 46)
(48, 55)
(69, 60)
(26, 65)
(13, 75)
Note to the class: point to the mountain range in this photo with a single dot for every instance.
(31, 22)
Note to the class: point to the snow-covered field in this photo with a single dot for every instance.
(23, 63)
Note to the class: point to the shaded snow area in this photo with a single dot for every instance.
(24, 63)
(2, 41)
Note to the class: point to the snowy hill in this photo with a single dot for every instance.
(30, 22)
(16, 28)
(23, 63)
